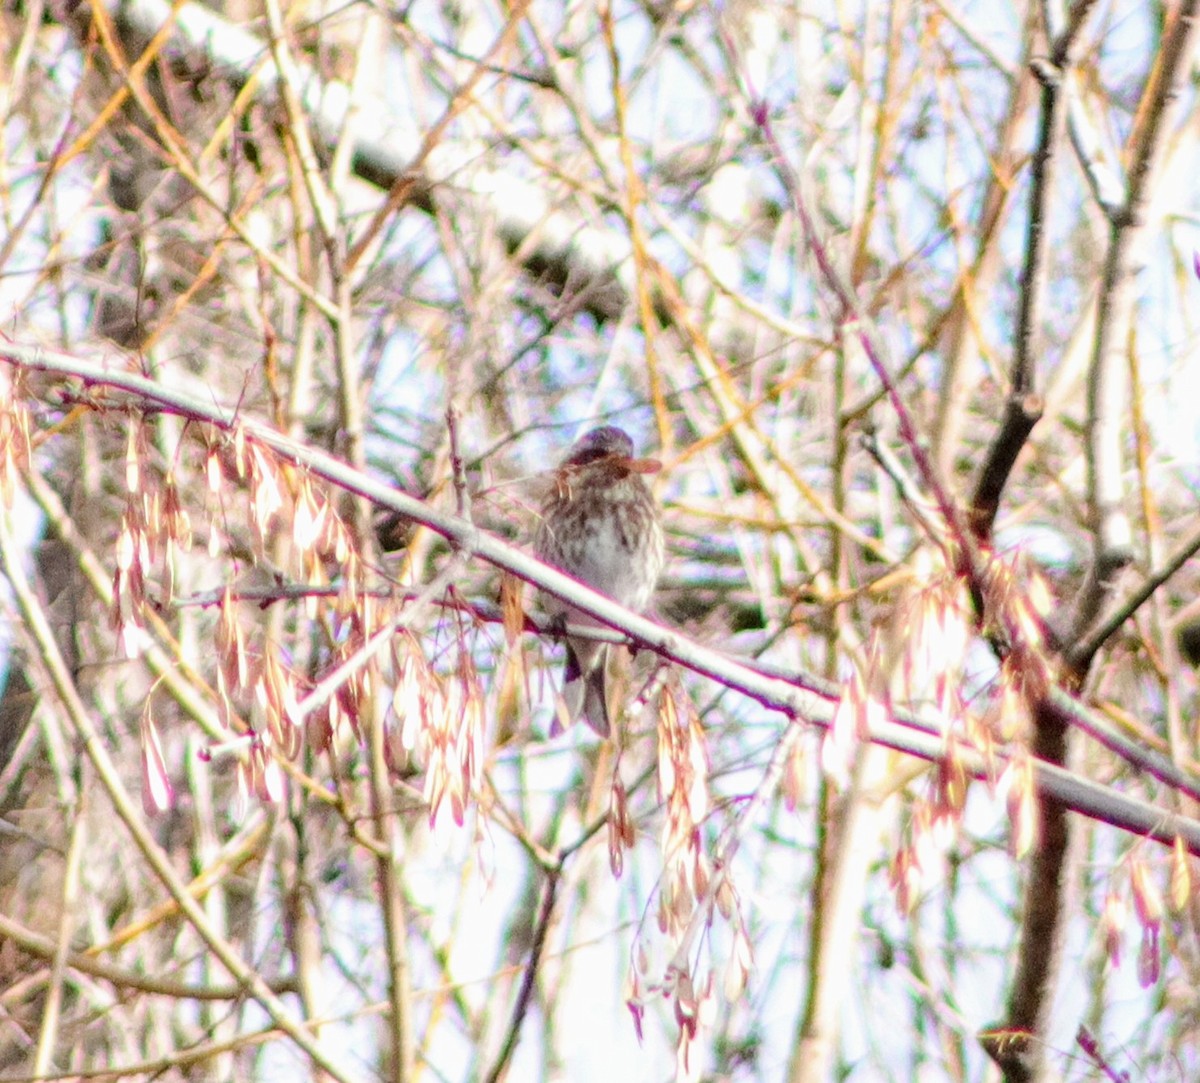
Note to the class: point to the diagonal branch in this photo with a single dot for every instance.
(792, 695)
(42, 947)
(529, 978)
(1083, 651)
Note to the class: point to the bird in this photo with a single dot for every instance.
(601, 525)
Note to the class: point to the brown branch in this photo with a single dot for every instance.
(1021, 413)
(395, 916)
(1031, 287)
(1044, 915)
(1024, 407)
(121, 1072)
(42, 947)
(957, 328)
(1081, 654)
(529, 978)
(52, 1006)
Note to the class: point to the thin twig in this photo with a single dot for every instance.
(52, 1004)
(462, 494)
(42, 947)
(401, 1031)
(529, 978)
(1081, 654)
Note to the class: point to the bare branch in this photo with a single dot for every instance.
(902, 732)
(43, 947)
(529, 978)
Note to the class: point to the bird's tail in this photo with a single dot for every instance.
(584, 693)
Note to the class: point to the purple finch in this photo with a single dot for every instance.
(601, 526)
